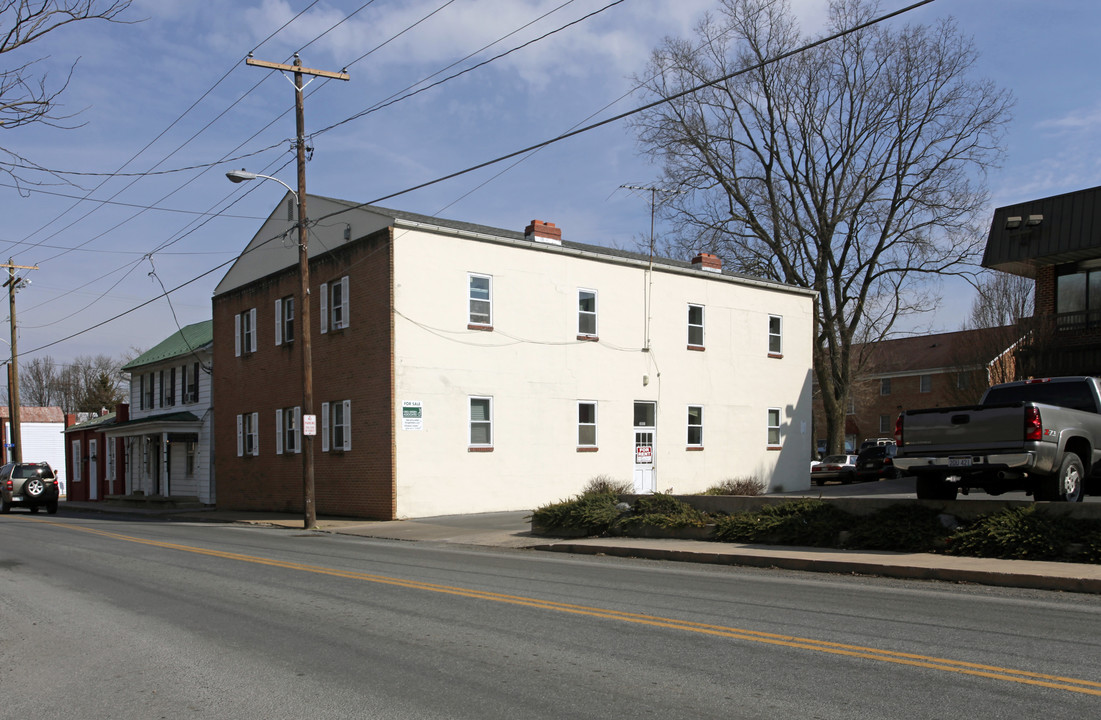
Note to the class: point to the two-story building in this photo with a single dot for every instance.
(1057, 242)
(168, 441)
(462, 368)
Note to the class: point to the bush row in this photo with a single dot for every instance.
(1022, 532)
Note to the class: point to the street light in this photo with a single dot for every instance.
(242, 175)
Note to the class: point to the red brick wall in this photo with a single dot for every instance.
(351, 364)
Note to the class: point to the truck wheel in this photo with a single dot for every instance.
(34, 487)
(1066, 486)
(51, 507)
(934, 488)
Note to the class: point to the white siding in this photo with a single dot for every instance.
(536, 371)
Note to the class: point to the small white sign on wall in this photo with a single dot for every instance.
(309, 425)
(412, 415)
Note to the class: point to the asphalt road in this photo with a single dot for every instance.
(108, 618)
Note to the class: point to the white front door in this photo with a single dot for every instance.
(645, 476)
(93, 476)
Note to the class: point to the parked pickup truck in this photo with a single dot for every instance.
(1041, 436)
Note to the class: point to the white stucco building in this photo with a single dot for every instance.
(461, 368)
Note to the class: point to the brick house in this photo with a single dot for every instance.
(463, 368)
(921, 371)
(1057, 242)
(90, 458)
(167, 441)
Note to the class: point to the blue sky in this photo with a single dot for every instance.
(173, 92)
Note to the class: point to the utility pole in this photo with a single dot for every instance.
(309, 511)
(13, 286)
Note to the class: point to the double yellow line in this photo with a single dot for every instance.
(1025, 677)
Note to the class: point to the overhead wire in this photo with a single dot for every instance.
(556, 139)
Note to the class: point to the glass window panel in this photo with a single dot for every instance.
(1070, 293)
(644, 414)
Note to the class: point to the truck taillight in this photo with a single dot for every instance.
(8, 485)
(1034, 427)
(898, 430)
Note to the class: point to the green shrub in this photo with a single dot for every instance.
(800, 522)
(737, 486)
(592, 512)
(901, 528)
(662, 510)
(1019, 533)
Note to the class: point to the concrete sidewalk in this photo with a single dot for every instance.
(512, 530)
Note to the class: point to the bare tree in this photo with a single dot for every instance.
(847, 168)
(25, 95)
(38, 385)
(1002, 299)
(87, 384)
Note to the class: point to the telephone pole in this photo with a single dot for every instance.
(309, 511)
(13, 286)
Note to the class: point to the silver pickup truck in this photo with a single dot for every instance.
(1040, 436)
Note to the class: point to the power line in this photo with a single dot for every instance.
(532, 148)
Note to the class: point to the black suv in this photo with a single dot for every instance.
(877, 463)
(32, 485)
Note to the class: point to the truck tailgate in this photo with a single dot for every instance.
(967, 429)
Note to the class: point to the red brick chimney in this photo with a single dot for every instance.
(544, 232)
(708, 262)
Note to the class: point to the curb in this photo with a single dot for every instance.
(978, 576)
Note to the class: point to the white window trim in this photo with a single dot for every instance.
(278, 322)
(595, 424)
(922, 380)
(241, 335)
(470, 298)
(470, 421)
(279, 431)
(582, 314)
(778, 335)
(78, 461)
(324, 314)
(689, 426)
(242, 432)
(778, 427)
(702, 325)
(328, 428)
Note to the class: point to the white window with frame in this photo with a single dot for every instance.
(481, 422)
(695, 426)
(284, 320)
(963, 381)
(775, 335)
(288, 430)
(78, 462)
(480, 300)
(168, 387)
(244, 333)
(774, 437)
(586, 313)
(851, 408)
(885, 424)
(336, 426)
(885, 386)
(191, 383)
(334, 305)
(695, 326)
(248, 438)
(147, 391)
(586, 424)
(925, 384)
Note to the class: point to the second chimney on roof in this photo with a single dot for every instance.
(543, 232)
(708, 262)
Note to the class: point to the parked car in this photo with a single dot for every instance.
(877, 463)
(834, 467)
(872, 442)
(30, 485)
